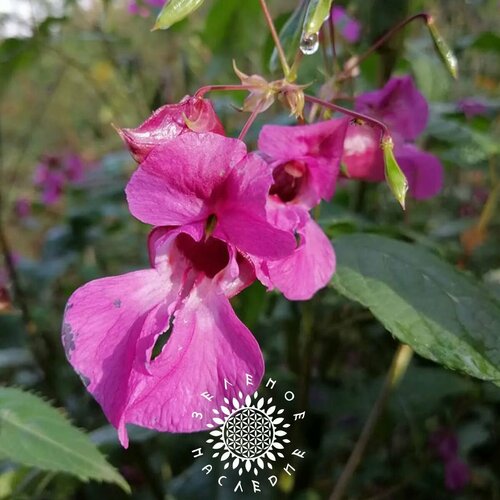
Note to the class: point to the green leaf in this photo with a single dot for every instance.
(487, 42)
(175, 11)
(441, 313)
(34, 433)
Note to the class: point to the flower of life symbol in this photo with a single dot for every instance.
(251, 435)
(248, 433)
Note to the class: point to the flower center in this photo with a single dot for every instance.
(209, 256)
(288, 179)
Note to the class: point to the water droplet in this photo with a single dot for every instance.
(309, 44)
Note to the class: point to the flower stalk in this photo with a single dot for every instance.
(399, 365)
(276, 38)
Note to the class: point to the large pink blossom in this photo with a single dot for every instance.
(207, 195)
(305, 162)
(192, 114)
(401, 106)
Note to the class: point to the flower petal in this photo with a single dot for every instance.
(309, 268)
(176, 183)
(363, 158)
(208, 345)
(399, 104)
(168, 122)
(254, 235)
(423, 171)
(106, 323)
(319, 145)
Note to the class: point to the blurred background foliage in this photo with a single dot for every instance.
(69, 70)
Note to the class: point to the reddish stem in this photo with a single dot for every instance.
(347, 73)
(359, 116)
(276, 38)
(249, 123)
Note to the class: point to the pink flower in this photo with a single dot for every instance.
(197, 180)
(349, 28)
(209, 195)
(192, 114)
(405, 111)
(305, 162)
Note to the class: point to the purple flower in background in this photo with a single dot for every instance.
(349, 28)
(457, 474)
(22, 207)
(74, 167)
(141, 8)
(208, 195)
(49, 177)
(471, 107)
(401, 106)
(444, 443)
(305, 165)
(54, 172)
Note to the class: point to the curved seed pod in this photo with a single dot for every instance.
(393, 173)
(444, 50)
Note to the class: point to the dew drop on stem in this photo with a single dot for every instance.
(309, 43)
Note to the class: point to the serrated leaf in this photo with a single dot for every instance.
(34, 433)
(175, 11)
(423, 301)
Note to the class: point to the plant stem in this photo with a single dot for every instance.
(14, 277)
(398, 367)
(276, 38)
(347, 73)
(350, 112)
(307, 336)
(221, 88)
(331, 28)
(249, 122)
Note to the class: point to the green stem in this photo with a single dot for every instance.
(221, 88)
(398, 368)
